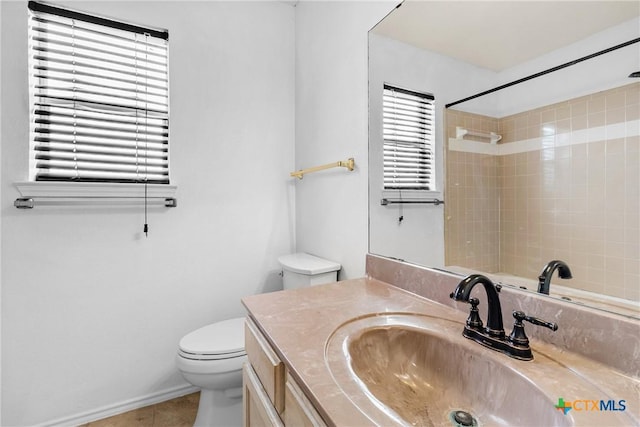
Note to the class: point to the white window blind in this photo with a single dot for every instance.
(408, 130)
(99, 98)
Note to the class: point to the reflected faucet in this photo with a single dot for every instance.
(462, 292)
(544, 280)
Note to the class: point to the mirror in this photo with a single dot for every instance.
(563, 180)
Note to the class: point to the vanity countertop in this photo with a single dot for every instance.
(299, 323)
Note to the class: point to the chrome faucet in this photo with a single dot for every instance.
(516, 344)
(544, 280)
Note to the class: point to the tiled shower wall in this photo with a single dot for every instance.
(568, 188)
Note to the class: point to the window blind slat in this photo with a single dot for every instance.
(88, 63)
(71, 46)
(98, 176)
(113, 115)
(98, 159)
(78, 70)
(46, 118)
(95, 166)
(408, 119)
(62, 148)
(141, 138)
(49, 31)
(100, 82)
(45, 141)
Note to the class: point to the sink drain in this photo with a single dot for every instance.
(460, 418)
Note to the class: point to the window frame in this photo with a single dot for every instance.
(413, 193)
(109, 188)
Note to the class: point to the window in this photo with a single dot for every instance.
(99, 99)
(408, 130)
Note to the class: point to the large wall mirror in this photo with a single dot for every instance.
(544, 169)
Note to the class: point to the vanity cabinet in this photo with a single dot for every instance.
(271, 396)
(258, 411)
(299, 411)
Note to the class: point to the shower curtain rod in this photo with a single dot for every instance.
(542, 73)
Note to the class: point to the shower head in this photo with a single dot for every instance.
(635, 74)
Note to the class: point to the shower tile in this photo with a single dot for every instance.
(615, 146)
(596, 103)
(596, 261)
(579, 194)
(579, 107)
(521, 121)
(615, 115)
(615, 99)
(548, 115)
(632, 291)
(632, 267)
(597, 119)
(632, 94)
(534, 118)
(579, 122)
(563, 125)
(563, 111)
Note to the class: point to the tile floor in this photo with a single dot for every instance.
(179, 412)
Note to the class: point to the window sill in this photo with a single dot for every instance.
(93, 189)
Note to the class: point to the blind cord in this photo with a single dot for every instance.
(145, 229)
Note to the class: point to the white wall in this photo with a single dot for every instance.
(331, 125)
(91, 310)
(419, 238)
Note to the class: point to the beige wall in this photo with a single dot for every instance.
(568, 189)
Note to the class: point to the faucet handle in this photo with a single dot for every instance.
(536, 321)
(474, 321)
(518, 336)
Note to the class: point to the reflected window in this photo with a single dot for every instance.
(408, 129)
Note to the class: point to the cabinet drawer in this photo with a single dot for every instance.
(268, 367)
(299, 410)
(257, 408)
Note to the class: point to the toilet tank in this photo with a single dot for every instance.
(301, 269)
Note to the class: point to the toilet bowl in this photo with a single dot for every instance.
(211, 358)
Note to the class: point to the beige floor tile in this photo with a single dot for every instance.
(179, 412)
(142, 417)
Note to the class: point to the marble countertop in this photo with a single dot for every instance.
(299, 323)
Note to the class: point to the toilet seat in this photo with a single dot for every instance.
(218, 341)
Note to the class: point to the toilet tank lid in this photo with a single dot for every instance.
(304, 263)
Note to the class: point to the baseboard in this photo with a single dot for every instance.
(119, 408)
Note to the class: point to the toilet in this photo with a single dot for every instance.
(211, 357)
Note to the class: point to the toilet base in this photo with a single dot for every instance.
(219, 408)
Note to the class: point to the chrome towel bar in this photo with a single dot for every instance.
(385, 202)
(31, 202)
